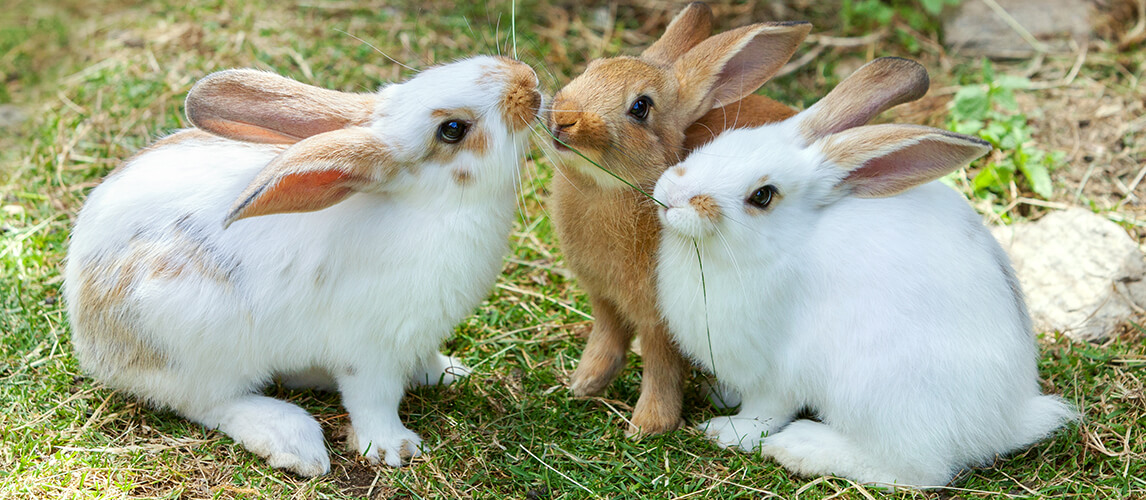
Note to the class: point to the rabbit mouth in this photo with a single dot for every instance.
(686, 222)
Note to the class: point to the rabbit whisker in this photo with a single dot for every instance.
(606, 170)
(376, 49)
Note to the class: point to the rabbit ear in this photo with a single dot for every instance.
(871, 90)
(257, 106)
(885, 160)
(726, 67)
(316, 173)
(690, 27)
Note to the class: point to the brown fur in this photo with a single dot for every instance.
(101, 321)
(705, 207)
(752, 111)
(257, 106)
(521, 100)
(609, 233)
(462, 176)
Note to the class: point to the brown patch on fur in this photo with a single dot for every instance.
(679, 171)
(477, 141)
(103, 327)
(186, 251)
(521, 100)
(705, 206)
(871, 90)
(462, 176)
(106, 332)
(257, 106)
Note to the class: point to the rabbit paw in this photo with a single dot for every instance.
(736, 431)
(440, 370)
(286, 435)
(393, 448)
(811, 449)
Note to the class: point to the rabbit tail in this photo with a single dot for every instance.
(1041, 416)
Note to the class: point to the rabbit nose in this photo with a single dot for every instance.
(564, 114)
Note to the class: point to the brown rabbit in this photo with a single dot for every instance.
(630, 115)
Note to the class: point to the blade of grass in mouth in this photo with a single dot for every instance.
(627, 183)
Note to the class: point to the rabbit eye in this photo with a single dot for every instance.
(452, 131)
(762, 197)
(640, 108)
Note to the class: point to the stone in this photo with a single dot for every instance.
(973, 28)
(1081, 273)
(11, 115)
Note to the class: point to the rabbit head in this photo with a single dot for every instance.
(437, 124)
(629, 114)
(768, 182)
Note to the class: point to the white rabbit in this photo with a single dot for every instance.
(334, 239)
(831, 283)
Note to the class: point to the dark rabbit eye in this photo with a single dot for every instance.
(762, 196)
(452, 131)
(640, 108)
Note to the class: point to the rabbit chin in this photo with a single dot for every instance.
(593, 169)
(686, 222)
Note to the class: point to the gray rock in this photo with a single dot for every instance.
(975, 29)
(1081, 273)
(11, 115)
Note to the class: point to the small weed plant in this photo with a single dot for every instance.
(989, 111)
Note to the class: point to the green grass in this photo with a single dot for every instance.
(99, 81)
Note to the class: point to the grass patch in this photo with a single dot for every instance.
(98, 81)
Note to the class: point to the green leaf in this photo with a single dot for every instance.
(970, 103)
(1012, 82)
(1038, 177)
(933, 7)
(969, 127)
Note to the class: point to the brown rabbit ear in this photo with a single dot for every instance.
(257, 106)
(871, 90)
(885, 160)
(316, 173)
(726, 67)
(691, 26)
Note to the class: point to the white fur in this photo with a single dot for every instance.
(897, 321)
(362, 293)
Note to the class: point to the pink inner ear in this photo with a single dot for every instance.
(297, 192)
(245, 131)
(902, 169)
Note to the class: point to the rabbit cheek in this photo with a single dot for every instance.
(462, 176)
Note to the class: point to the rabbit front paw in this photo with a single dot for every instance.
(394, 448)
(737, 431)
